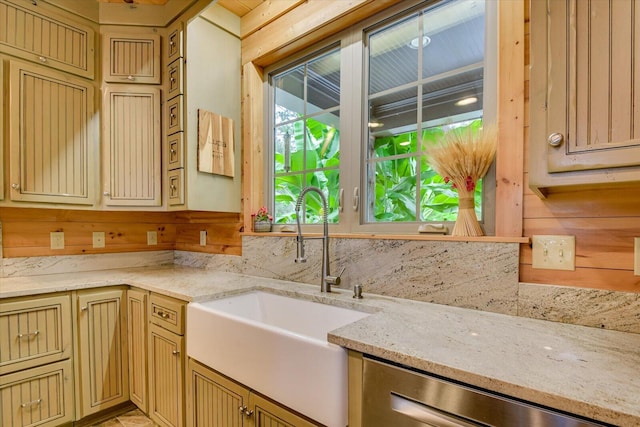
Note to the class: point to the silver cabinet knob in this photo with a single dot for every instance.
(15, 186)
(42, 59)
(106, 194)
(555, 139)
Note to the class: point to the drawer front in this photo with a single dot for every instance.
(176, 187)
(132, 58)
(34, 332)
(174, 72)
(174, 115)
(168, 313)
(175, 150)
(174, 42)
(40, 396)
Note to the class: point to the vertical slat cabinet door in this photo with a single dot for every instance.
(51, 138)
(269, 414)
(131, 58)
(137, 340)
(101, 350)
(214, 401)
(166, 386)
(131, 119)
(593, 66)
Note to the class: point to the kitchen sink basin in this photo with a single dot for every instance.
(276, 345)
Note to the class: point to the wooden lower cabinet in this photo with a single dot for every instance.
(41, 396)
(138, 342)
(166, 377)
(102, 371)
(216, 401)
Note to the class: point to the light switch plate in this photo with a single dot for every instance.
(636, 257)
(98, 239)
(203, 237)
(152, 238)
(57, 240)
(554, 252)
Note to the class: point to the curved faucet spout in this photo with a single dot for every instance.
(326, 279)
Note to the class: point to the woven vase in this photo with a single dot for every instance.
(467, 223)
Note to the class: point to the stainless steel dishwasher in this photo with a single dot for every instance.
(398, 397)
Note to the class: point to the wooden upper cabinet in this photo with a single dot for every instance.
(51, 139)
(131, 58)
(37, 32)
(132, 145)
(585, 97)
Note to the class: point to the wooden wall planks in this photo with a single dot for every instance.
(604, 223)
(25, 231)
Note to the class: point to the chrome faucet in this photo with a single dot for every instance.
(326, 279)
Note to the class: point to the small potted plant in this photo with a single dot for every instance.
(262, 220)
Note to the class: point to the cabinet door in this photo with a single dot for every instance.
(132, 146)
(103, 377)
(137, 340)
(585, 102)
(213, 400)
(51, 140)
(131, 58)
(267, 413)
(38, 32)
(41, 396)
(166, 386)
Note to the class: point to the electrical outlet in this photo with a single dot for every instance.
(152, 238)
(636, 257)
(554, 252)
(98, 239)
(57, 240)
(203, 237)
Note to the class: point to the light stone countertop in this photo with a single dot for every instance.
(585, 371)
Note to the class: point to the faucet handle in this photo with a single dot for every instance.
(335, 280)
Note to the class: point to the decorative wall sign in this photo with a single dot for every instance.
(215, 144)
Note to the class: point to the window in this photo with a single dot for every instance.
(406, 78)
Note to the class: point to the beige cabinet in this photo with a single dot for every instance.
(137, 339)
(166, 360)
(132, 145)
(215, 400)
(585, 104)
(131, 58)
(39, 32)
(41, 396)
(36, 378)
(52, 143)
(102, 374)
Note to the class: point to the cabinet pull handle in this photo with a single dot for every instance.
(172, 43)
(163, 314)
(84, 308)
(30, 334)
(32, 403)
(15, 186)
(42, 59)
(245, 411)
(173, 79)
(175, 352)
(356, 198)
(555, 139)
(106, 194)
(130, 78)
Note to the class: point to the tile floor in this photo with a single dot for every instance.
(133, 418)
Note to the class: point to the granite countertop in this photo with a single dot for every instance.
(586, 371)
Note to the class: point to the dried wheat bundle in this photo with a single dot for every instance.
(463, 156)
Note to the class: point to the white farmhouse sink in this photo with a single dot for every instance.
(277, 346)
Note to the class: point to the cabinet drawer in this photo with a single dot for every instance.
(174, 42)
(37, 32)
(176, 187)
(167, 313)
(41, 396)
(174, 151)
(174, 115)
(174, 78)
(34, 332)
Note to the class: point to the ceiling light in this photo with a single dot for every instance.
(414, 44)
(374, 125)
(467, 101)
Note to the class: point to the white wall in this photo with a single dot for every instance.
(213, 72)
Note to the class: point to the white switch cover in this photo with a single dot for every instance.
(57, 240)
(203, 237)
(152, 238)
(554, 252)
(636, 257)
(98, 239)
